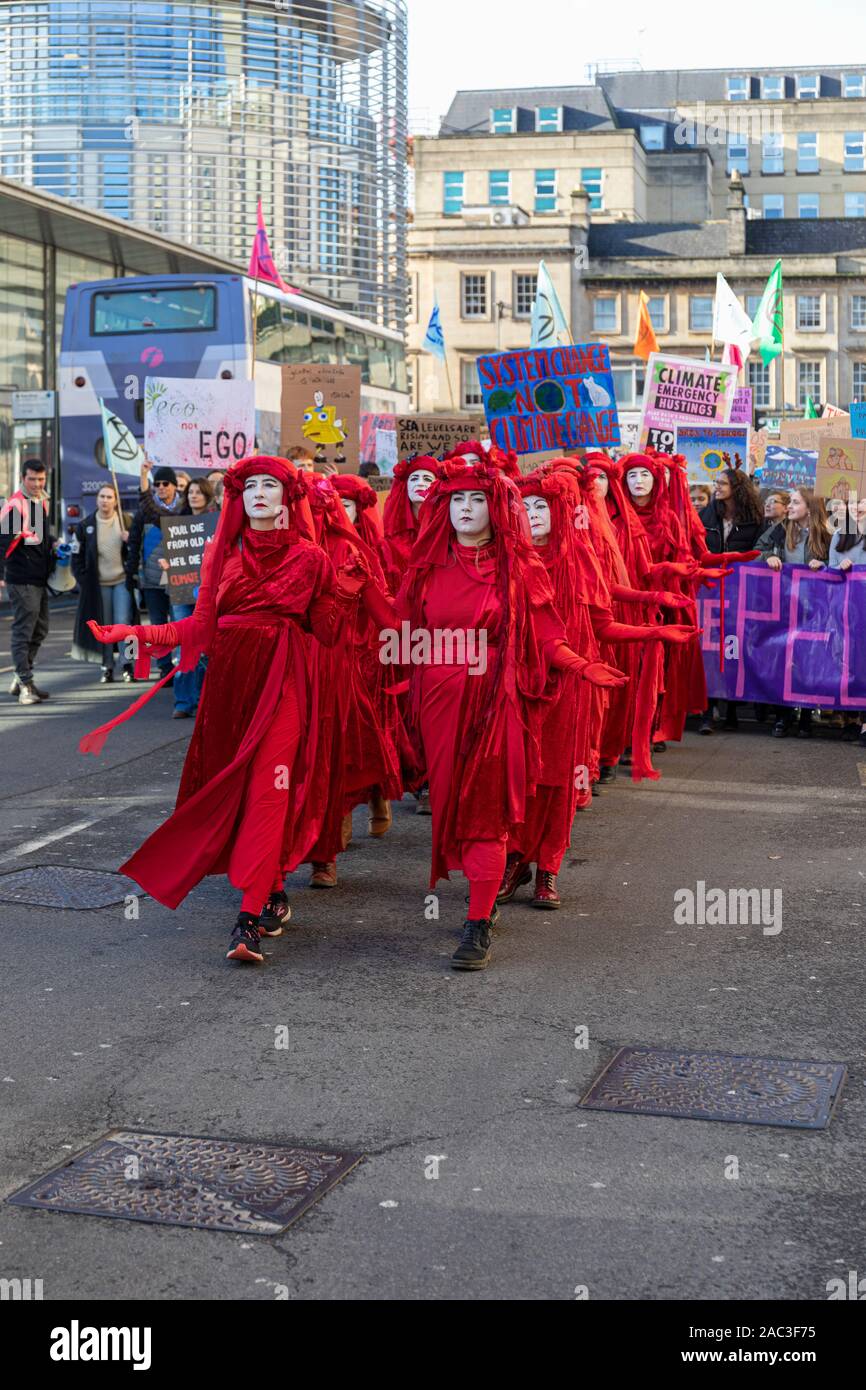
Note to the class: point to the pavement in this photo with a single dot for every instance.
(110, 1022)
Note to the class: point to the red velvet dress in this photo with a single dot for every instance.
(247, 798)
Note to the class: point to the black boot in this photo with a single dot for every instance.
(473, 953)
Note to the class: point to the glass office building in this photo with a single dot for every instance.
(178, 117)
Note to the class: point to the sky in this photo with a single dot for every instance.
(491, 43)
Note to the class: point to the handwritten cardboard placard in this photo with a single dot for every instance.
(321, 412)
(435, 435)
(810, 434)
(841, 469)
(183, 541)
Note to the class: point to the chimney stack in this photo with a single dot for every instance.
(736, 216)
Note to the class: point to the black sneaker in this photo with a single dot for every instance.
(245, 943)
(107, 678)
(276, 914)
(473, 953)
(780, 730)
(129, 675)
(607, 774)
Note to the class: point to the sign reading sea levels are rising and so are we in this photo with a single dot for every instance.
(550, 398)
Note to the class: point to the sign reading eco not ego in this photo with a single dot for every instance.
(198, 424)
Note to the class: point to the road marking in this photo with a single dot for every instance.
(30, 846)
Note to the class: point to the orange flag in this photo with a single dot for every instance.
(646, 341)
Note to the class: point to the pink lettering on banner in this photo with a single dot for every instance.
(797, 634)
(854, 576)
(771, 615)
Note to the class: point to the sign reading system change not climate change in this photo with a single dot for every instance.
(550, 398)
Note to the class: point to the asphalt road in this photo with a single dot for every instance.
(109, 1022)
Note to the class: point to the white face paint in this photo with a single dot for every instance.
(419, 484)
(350, 507)
(639, 482)
(601, 483)
(263, 497)
(470, 514)
(538, 516)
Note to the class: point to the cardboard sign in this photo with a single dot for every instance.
(709, 449)
(858, 421)
(788, 468)
(436, 435)
(550, 398)
(198, 424)
(183, 541)
(741, 410)
(629, 432)
(321, 412)
(371, 424)
(841, 468)
(831, 412)
(683, 391)
(810, 434)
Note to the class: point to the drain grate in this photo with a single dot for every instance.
(61, 886)
(187, 1180)
(716, 1086)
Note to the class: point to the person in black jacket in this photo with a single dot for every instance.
(26, 561)
(733, 521)
(145, 549)
(98, 563)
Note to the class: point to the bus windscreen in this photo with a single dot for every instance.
(172, 310)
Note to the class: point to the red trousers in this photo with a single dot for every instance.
(254, 865)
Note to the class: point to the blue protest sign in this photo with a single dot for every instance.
(551, 398)
(858, 420)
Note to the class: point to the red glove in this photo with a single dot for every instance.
(678, 634)
(731, 557)
(598, 673)
(116, 632)
(353, 576)
(668, 570)
(666, 599)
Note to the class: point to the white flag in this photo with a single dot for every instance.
(731, 323)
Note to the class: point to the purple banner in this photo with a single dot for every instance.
(793, 636)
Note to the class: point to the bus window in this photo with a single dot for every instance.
(296, 330)
(356, 352)
(270, 339)
(175, 310)
(324, 341)
(381, 365)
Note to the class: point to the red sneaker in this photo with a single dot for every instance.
(546, 895)
(516, 874)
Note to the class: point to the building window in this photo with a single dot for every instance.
(855, 204)
(808, 382)
(752, 303)
(115, 184)
(548, 118)
(853, 84)
(503, 120)
(808, 85)
(859, 381)
(658, 311)
(701, 313)
(412, 299)
(628, 384)
(773, 88)
(772, 154)
(738, 154)
(545, 190)
(809, 205)
(807, 152)
(605, 314)
(774, 205)
(739, 89)
(453, 201)
(525, 290)
(591, 180)
(759, 380)
(809, 315)
(854, 163)
(858, 311)
(473, 297)
(652, 137)
(470, 387)
(499, 187)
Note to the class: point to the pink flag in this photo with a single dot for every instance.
(262, 266)
(732, 357)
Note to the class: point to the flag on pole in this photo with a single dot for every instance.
(262, 264)
(731, 324)
(810, 413)
(769, 324)
(434, 339)
(123, 453)
(646, 340)
(732, 357)
(548, 319)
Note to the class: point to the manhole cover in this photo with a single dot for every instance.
(59, 885)
(186, 1180)
(715, 1086)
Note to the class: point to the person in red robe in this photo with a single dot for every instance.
(561, 526)
(413, 479)
(490, 653)
(249, 793)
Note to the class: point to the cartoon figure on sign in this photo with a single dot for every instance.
(322, 427)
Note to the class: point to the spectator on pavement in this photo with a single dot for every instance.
(99, 564)
(216, 478)
(199, 497)
(26, 561)
(145, 548)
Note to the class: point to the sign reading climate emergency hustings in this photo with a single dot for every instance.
(550, 398)
(683, 391)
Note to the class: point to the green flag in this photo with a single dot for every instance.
(810, 413)
(769, 323)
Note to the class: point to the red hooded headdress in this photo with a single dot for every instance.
(400, 522)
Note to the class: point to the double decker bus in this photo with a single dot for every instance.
(116, 333)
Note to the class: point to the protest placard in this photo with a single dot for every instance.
(371, 423)
(741, 410)
(709, 449)
(683, 391)
(183, 541)
(321, 409)
(810, 434)
(435, 435)
(198, 424)
(550, 398)
(858, 421)
(788, 468)
(629, 432)
(841, 468)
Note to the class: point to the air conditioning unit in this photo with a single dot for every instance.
(496, 216)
